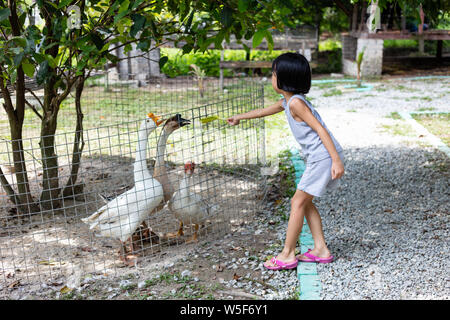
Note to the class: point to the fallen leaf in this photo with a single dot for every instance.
(47, 263)
(14, 284)
(387, 210)
(65, 289)
(219, 267)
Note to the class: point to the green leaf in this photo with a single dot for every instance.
(189, 22)
(136, 4)
(226, 17)
(258, 37)
(211, 119)
(42, 72)
(269, 38)
(99, 43)
(162, 61)
(127, 48)
(243, 5)
(18, 59)
(123, 10)
(139, 22)
(13, 76)
(51, 61)
(4, 14)
(187, 48)
(143, 45)
(19, 41)
(124, 6)
(28, 68)
(39, 57)
(64, 3)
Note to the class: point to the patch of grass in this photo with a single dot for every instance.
(325, 85)
(426, 109)
(351, 110)
(438, 124)
(394, 115)
(422, 98)
(334, 92)
(399, 129)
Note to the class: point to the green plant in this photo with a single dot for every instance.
(359, 61)
(199, 76)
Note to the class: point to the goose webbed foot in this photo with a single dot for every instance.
(176, 235)
(194, 237)
(124, 256)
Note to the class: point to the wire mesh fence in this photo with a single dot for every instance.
(137, 186)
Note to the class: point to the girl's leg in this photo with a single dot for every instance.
(299, 204)
(315, 225)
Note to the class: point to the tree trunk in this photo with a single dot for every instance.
(362, 24)
(23, 199)
(50, 183)
(25, 203)
(71, 189)
(355, 18)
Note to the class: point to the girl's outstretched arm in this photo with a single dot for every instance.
(257, 113)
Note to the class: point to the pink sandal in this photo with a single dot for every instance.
(280, 265)
(313, 258)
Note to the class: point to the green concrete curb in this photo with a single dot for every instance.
(309, 281)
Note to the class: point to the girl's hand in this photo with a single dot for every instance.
(233, 120)
(337, 169)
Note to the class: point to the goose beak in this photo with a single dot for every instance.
(182, 122)
(159, 121)
(156, 119)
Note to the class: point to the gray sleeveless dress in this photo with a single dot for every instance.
(316, 178)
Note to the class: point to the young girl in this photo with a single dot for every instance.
(291, 77)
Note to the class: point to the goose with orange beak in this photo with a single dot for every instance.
(120, 217)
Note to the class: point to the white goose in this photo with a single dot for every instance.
(187, 206)
(120, 217)
(160, 170)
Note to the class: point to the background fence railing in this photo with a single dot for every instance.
(40, 245)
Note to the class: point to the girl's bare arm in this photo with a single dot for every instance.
(257, 113)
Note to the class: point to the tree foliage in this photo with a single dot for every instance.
(61, 57)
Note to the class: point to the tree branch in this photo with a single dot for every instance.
(343, 7)
(7, 187)
(36, 97)
(8, 105)
(33, 108)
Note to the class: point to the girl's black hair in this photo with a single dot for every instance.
(293, 72)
